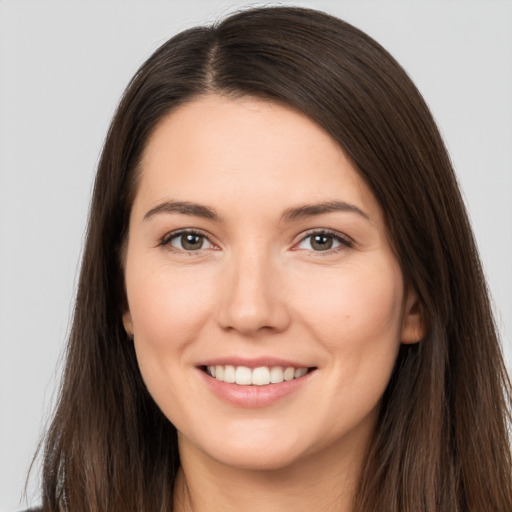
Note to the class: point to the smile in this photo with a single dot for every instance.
(260, 376)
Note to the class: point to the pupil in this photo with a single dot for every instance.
(321, 242)
(191, 242)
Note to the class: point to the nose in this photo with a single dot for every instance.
(253, 299)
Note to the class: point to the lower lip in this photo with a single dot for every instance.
(252, 397)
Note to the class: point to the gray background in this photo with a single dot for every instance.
(63, 66)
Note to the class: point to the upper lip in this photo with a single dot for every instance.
(253, 362)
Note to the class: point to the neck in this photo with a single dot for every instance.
(324, 481)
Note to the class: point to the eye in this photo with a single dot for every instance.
(323, 241)
(187, 241)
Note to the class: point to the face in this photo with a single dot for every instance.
(266, 304)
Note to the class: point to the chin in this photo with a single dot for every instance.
(255, 458)
(248, 449)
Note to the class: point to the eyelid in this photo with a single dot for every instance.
(345, 241)
(166, 239)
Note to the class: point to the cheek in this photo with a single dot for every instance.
(356, 316)
(358, 311)
(168, 308)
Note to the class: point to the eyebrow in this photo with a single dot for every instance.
(289, 215)
(184, 207)
(310, 210)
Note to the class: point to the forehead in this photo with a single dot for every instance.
(249, 151)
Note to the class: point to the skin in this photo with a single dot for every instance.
(259, 287)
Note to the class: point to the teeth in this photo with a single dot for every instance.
(261, 376)
(229, 373)
(243, 375)
(289, 374)
(276, 375)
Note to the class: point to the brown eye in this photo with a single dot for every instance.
(323, 241)
(189, 242)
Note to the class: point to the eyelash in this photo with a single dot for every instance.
(166, 240)
(344, 242)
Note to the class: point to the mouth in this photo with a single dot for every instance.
(259, 376)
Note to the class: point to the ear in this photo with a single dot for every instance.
(127, 323)
(413, 322)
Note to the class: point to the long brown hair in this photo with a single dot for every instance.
(442, 441)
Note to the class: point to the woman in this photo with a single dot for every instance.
(280, 303)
